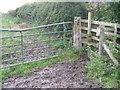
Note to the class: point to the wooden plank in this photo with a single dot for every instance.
(101, 23)
(84, 35)
(110, 54)
(84, 20)
(93, 30)
(95, 38)
(109, 33)
(84, 28)
(90, 44)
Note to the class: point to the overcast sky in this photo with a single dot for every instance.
(6, 5)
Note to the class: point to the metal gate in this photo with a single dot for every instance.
(23, 46)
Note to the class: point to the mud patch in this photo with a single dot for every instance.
(59, 75)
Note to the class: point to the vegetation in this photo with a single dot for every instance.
(102, 69)
(108, 12)
(9, 20)
(52, 12)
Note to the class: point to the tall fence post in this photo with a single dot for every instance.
(101, 40)
(89, 26)
(115, 33)
(77, 32)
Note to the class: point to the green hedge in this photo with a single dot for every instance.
(52, 12)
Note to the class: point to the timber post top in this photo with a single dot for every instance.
(77, 20)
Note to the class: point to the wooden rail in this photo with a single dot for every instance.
(101, 23)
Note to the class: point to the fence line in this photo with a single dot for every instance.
(84, 32)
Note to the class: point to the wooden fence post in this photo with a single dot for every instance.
(77, 32)
(80, 32)
(115, 33)
(101, 40)
(89, 26)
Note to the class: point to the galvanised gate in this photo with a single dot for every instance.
(21, 46)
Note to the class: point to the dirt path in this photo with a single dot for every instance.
(65, 75)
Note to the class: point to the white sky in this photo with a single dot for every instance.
(6, 5)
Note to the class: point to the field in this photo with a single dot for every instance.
(80, 66)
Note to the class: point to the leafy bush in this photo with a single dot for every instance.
(52, 12)
(108, 12)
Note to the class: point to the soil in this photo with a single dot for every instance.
(57, 75)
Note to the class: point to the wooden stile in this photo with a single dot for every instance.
(94, 34)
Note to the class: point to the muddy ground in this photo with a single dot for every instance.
(57, 75)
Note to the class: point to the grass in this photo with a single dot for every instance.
(8, 20)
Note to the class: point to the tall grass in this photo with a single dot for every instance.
(7, 20)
